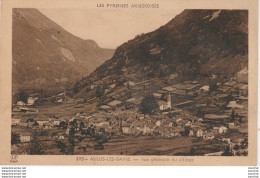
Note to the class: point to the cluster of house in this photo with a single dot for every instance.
(21, 106)
(44, 123)
(167, 129)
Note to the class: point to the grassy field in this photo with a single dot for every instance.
(66, 110)
(143, 145)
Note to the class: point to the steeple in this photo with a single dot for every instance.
(169, 101)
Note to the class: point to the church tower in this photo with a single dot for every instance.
(169, 101)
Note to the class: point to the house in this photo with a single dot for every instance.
(231, 125)
(126, 130)
(239, 141)
(233, 104)
(15, 122)
(177, 131)
(200, 120)
(208, 136)
(129, 83)
(47, 126)
(20, 103)
(162, 104)
(180, 92)
(67, 131)
(191, 134)
(180, 122)
(205, 88)
(227, 140)
(59, 100)
(23, 124)
(147, 130)
(157, 95)
(188, 124)
(222, 129)
(101, 124)
(230, 83)
(199, 133)
(173, 76)
(42, 122)
(171, 135)
(104, 107)
(56, 122)
(168, 105)
(158, 123)
(61, 137)
(215, 116)
(25, 137)
(169, 89)
(31, 100)
(114, 103)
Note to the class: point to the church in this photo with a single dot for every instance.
(168, 105)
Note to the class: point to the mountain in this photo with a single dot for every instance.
(203, 45)
(47, 57)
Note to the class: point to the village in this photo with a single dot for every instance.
(189, 110)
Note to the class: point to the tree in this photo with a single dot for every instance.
(213, 87)
(81, 126)
(22, 96)
(76, 87)
(233, 115)
(192, 151)
(62, 147)
(35, 147)
(71, 141)
(187, 130)
(63, 125)
(148, 105)
(228, 151)
(15, 139)
(99, 91)
(35, 124)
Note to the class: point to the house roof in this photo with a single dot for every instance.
(169, 88)
(104, 107)
(114, 103)
(215, 116)
(205, 88)
(161, 102)
(157, 95)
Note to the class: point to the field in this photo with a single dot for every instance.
(130, 145)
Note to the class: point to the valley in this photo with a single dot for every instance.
(179, 90)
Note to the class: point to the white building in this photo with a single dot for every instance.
(126, 130)
(31, 100)
(20, 103)
(25, 137)
(168, 105)
(15, 122)
(199, 133)
(222, 129)
(56, 122)
(205, 88)
(158, 123)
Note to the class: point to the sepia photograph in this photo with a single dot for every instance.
(131, 79)
(181, 89)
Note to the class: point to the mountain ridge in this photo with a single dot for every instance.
(196, 44)
(46, 54)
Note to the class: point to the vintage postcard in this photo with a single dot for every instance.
(96, 82)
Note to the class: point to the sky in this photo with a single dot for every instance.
(110, 28)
